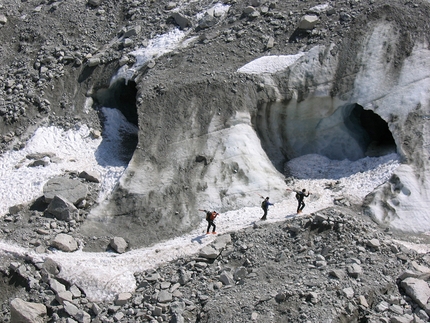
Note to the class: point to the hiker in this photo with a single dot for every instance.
(210, 217)
(265, 206)
(300, 196)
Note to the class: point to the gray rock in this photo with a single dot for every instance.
(95, 3)
(90, 176)
(402, 319)
(61, 297)
(354, 270)
(337, 273)
(3, 20)
(64, 242)
(221, 242)
(122, 298)
(184, 277)
(181, 20)
(209, 252)
(51, 266)
(170, 5)
(94, 61)
(56, 286)
(132, 31)
(270, 43)
(417, 289)
(164, 296)
(76, 292)
(72, 190)
(70, 308)
(39, 162)
(118, 244)
(240, 273)
(16, 209)
(27, 312)
(207, 21)
(83, 317)
(226, 278)
(61, 209)
(308, 22)
(348, 292)
(374, 243)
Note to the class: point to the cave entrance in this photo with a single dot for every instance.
(121, 96)
(381, 141)
(348, 132)
(119, 118)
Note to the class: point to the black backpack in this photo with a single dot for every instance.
(263, 204)
(208, 215)
(298, 195)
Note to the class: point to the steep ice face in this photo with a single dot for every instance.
(308, 119)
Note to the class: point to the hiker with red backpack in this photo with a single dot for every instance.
(210, 217)
(300, 196)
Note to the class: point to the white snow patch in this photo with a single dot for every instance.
(75, 150)
(269, 64)
(158, 46)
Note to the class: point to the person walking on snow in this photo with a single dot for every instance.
(210, 217)
(300, 196)
(265, 206)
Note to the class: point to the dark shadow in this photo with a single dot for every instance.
(290, 216)
(86, 73)
(39, 205)
(297, 35)
(199, 238)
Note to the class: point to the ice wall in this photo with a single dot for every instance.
(308, 119)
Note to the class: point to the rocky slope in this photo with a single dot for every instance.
(331, 266)
(58, 60)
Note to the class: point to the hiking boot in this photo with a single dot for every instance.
(207, 232)
(214, 232)
(263, 219)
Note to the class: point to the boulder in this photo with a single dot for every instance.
(64, 242)
(118, 244)
(56, 286)
(209, 252)
(181, 20)
(72, 190)
(417, 289)
(26, 312)
(61, 209)
(308, 22)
